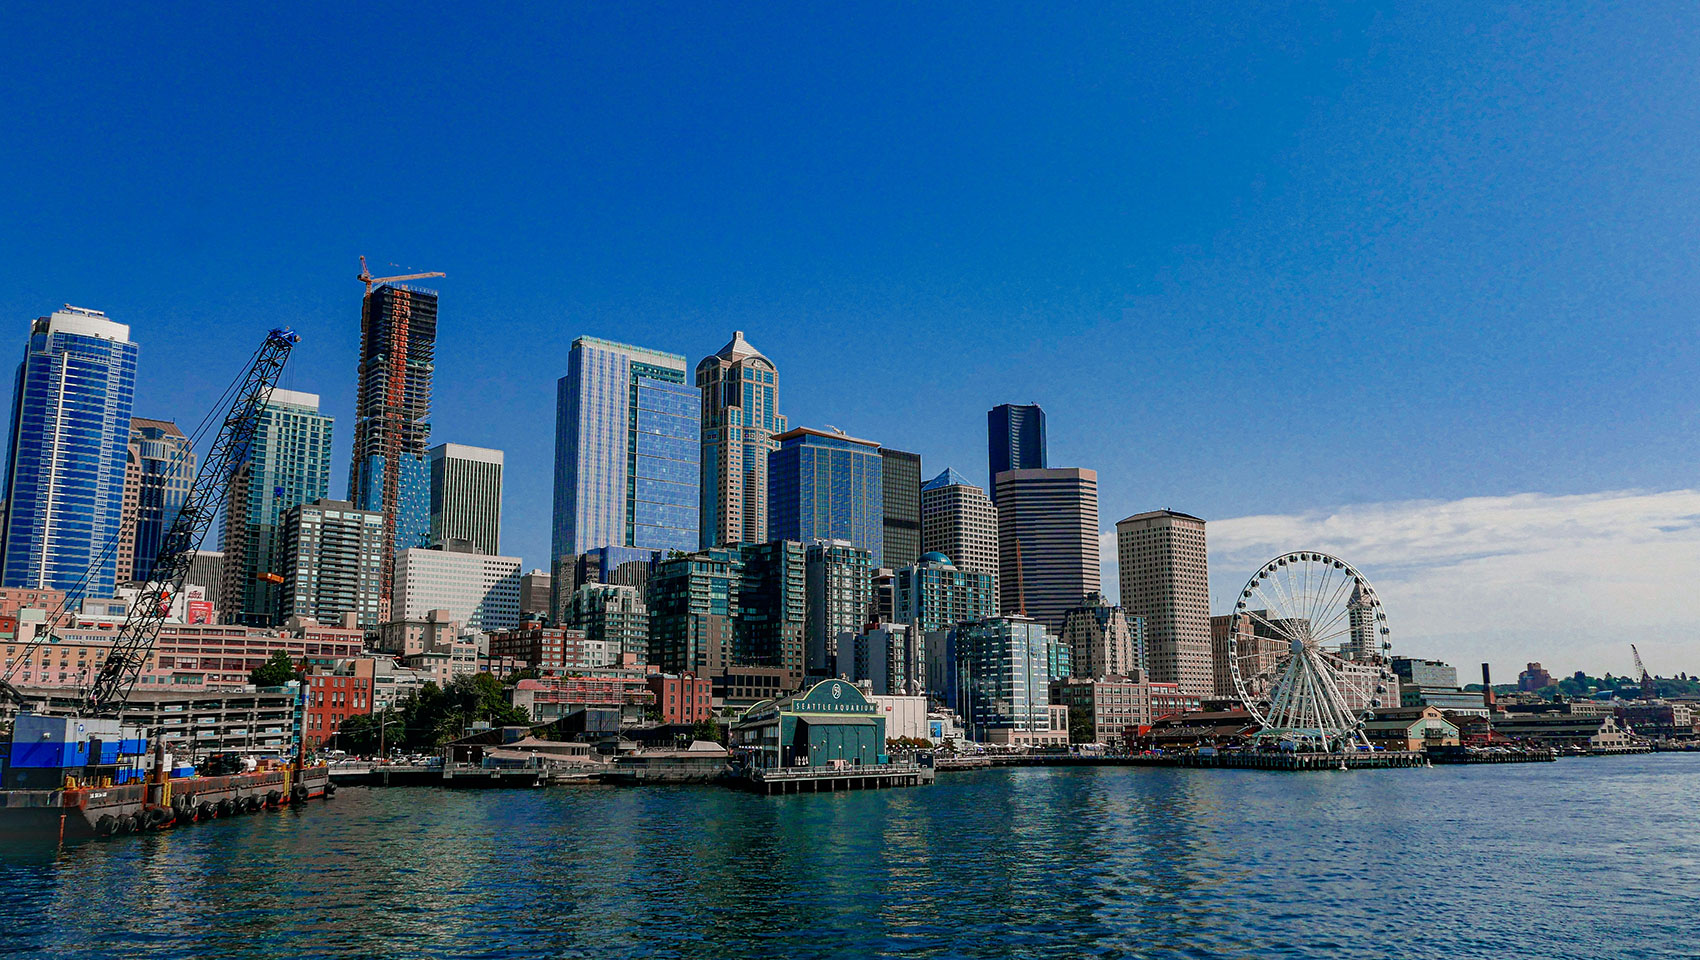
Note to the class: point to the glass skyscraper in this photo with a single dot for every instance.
(1015, 440)
(627, 434)
(65, 464)
(827, 486)
(161, 466)
(740, 419)
(288, 464)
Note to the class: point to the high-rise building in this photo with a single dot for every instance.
(959, 521)
(626, 455)
(1103, 641)
(392, 419)
(741, 606)
(1003, 679)
(740, 419)
(1052, 517)
(935, 594)
(332, 553)
(206, 570)
(900, 481)
(466, 497)
(1015, 440)
(887, 657)
(1365, 630)
(838, 587)
(827, 486)
(159, 466)
(773, 608)
(1165, 578)
(612, 613)
(64, 485)
(477, 589)
(534, 594)
(288, 464)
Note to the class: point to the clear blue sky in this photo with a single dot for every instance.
(1249, 260)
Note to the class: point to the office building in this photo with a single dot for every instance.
(612, 613)
(64, 485)
(900, 481)
(717, 612)
(1015, 440)
(534, 595)
(1052, 516)
(626, 454)
(288, 464)
(886, 657)
(959, 521)
(1103, 641)
(479, 590)
(159, 466)
(740, 419)
(1165, 579)
(838, 587)
(1003, 680)
(1255, 650)
(827, 486)
(1108, 706)
(466, 497)
(392, 420)
(207, 570)
(935, 594)
(332, 559)
(773, 608)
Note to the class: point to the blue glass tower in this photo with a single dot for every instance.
(1015, 440)
(162, 465)
(66, 461)
(826, 486)
(627, 449)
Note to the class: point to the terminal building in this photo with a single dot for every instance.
(830, 725)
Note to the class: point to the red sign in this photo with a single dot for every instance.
(200, 611)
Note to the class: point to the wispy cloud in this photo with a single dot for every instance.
(1566, 580)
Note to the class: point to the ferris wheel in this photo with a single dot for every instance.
(1308, 648)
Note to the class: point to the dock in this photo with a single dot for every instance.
(826, 779)
(455, 775)
(1270, 760)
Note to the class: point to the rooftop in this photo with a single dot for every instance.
(949, 478)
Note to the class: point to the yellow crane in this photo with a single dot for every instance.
(367, 278)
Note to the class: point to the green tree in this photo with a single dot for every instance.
(358, 734)
(275, 672)
(524, 673)
(1080, 728)
(708, 730)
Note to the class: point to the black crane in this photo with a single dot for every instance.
(111, 685)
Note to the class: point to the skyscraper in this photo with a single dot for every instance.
(626, 455)
(392, 425)
(1103, 641)
(1015, 440)
(959, 521)
(159, 467)
(288, 464)
(730, 606)
(827, 486)
(466, 496)
(1053, 516)
(839, 585)
(331, 555)
(1003, 679)
(64, 485)
(740, 419)
(1165, 578)
(900, 480)
(935, 594)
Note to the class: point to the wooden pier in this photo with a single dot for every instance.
(825, 779)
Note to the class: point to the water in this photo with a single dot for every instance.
(1581, 858)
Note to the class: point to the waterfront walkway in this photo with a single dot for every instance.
(823, 779)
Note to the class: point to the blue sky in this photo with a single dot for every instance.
(1253, 261)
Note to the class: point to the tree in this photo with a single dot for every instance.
(1080, 728)
(523, 673)
(358, 734)
(708, 730)
(275, 672)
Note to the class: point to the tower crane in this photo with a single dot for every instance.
(367, 278)
(111, 685)
(1647, 688)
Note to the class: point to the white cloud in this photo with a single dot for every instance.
(1569, 581)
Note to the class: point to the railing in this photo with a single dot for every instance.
(815, 773)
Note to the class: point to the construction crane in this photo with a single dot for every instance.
(1647, 687)
(367, 278)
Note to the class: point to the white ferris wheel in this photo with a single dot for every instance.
(1308, 647)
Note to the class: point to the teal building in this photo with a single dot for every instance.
(830, 725)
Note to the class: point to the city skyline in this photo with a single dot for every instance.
(1509, 391)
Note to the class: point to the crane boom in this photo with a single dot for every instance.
(1646, 679)
(200, 505)
(367, 278)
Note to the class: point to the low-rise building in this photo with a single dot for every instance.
(334, 694)
(1596, 734)
(1410, 728)
(555, 697)
(1111, 705)
(830, 725)
(263, 722)
(682, 698)
(554, 648)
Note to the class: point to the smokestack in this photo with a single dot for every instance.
(1487, 689)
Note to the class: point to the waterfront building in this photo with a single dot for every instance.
(159, 466)
(388, 473)
(740, 419)
(935, 594)
(682, 698)
(1165, 580)
(1415, 671)
(838, 587)
(1410, 728)
(614, 614)
(534, 594)
(832, 724)
(1103, 640)
(65, 463)
(479, 590)
(288, 463)
(959, 521)
(887, 658)
(1596, 734)
(553, 648)
(741, 607)
(622, 694)
(1003, 680)
(332, 562)
(905, 716)
(1053, 516)
(827, 486)
(1168, 699)
(466, 497)
(334, 694)
(1110, 705)
(626, 455)
(260, 723)
(1015, 440)
(900, 485)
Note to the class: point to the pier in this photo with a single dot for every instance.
(824, 779)
(457, 775)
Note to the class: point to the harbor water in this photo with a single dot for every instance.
(1584, 858)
